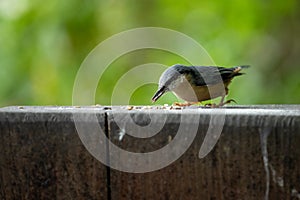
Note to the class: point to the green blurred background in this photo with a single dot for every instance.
(42, 45)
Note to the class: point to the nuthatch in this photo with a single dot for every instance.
(197, 83)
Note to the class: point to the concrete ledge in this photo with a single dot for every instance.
(257, 155)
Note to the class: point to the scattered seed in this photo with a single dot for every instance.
(177, 107)
(129, 107)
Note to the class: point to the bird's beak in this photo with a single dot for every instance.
(159, 93)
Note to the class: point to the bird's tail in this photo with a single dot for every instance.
(237, 69)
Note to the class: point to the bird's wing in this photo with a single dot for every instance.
(210, 75)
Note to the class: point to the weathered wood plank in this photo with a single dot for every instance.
(42, 157)
(257, 154)
(234, 169)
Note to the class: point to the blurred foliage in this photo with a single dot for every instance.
(42, 45)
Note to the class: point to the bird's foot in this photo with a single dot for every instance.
(213, 105)
(226, 102)
(184, 104)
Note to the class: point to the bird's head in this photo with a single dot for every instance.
(169, 80)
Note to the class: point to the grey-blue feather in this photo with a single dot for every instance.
(209, 75)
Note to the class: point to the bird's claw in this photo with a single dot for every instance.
(213, 105)
(184, 104)
(227, 102)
